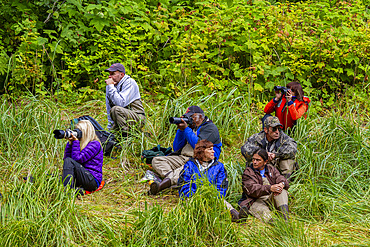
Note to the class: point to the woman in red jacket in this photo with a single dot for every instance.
(290, 107)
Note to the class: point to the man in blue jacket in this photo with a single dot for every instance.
(123, 101)
(186, 137)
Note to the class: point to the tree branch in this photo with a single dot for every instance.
(52, 11)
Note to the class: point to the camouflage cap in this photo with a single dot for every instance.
(272, 122)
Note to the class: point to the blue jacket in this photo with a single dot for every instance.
(207, 130)
(215, 174)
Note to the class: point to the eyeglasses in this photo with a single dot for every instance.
(275, 128)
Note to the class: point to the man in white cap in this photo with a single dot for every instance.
(123, 102)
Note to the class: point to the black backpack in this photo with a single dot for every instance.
(106, 138)
(148, 155)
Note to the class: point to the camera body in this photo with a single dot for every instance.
(177, 120)
(282, 89)
(60, 134)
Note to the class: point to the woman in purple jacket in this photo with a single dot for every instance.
(83, 160)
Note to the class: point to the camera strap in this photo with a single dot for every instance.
(279, 102)
(283, 108)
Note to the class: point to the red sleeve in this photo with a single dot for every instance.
(270, 107)
(297, 111)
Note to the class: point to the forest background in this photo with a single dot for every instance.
(225, 56)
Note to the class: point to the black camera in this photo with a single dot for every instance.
(283, 90)
(177, 120)
(60, 134)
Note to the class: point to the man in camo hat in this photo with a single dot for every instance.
(280, 147)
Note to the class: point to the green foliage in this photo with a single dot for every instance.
(170, 46)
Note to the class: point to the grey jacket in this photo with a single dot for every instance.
(125, 92)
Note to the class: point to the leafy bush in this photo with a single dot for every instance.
(170, 46)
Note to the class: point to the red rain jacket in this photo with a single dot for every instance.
(295, 111)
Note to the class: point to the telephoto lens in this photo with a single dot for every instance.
(77, 133)
(177, 120)
(60, 134)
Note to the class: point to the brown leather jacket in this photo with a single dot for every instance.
(253, 187)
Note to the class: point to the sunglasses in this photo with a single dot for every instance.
(275, 128)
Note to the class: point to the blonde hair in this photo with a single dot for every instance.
(88, 133)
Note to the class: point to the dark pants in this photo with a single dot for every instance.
(75, 175)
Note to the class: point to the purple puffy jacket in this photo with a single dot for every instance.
(91, 157)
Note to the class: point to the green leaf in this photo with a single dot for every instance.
(202, 46)
(251, 45)
(76, 3)
(350, 72)
(99, 23)
(258, 87)
(289, 76)
(320, 65)
(41, 40)
(56, 47)
(93, 7)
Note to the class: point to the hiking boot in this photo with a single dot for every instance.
(284, 209)
(156, 187)
(243, 212)
(234, 215)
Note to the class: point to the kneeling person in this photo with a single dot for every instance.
(186, 138)
(123, 101)
(280, 147)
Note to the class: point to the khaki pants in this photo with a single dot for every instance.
(286, 167)
(170, 166)
(124, 118)
(261, 207)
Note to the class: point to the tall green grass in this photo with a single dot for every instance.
(39, 213)
(202, 220)
(329, 197)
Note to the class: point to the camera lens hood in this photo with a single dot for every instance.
(59, 134)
